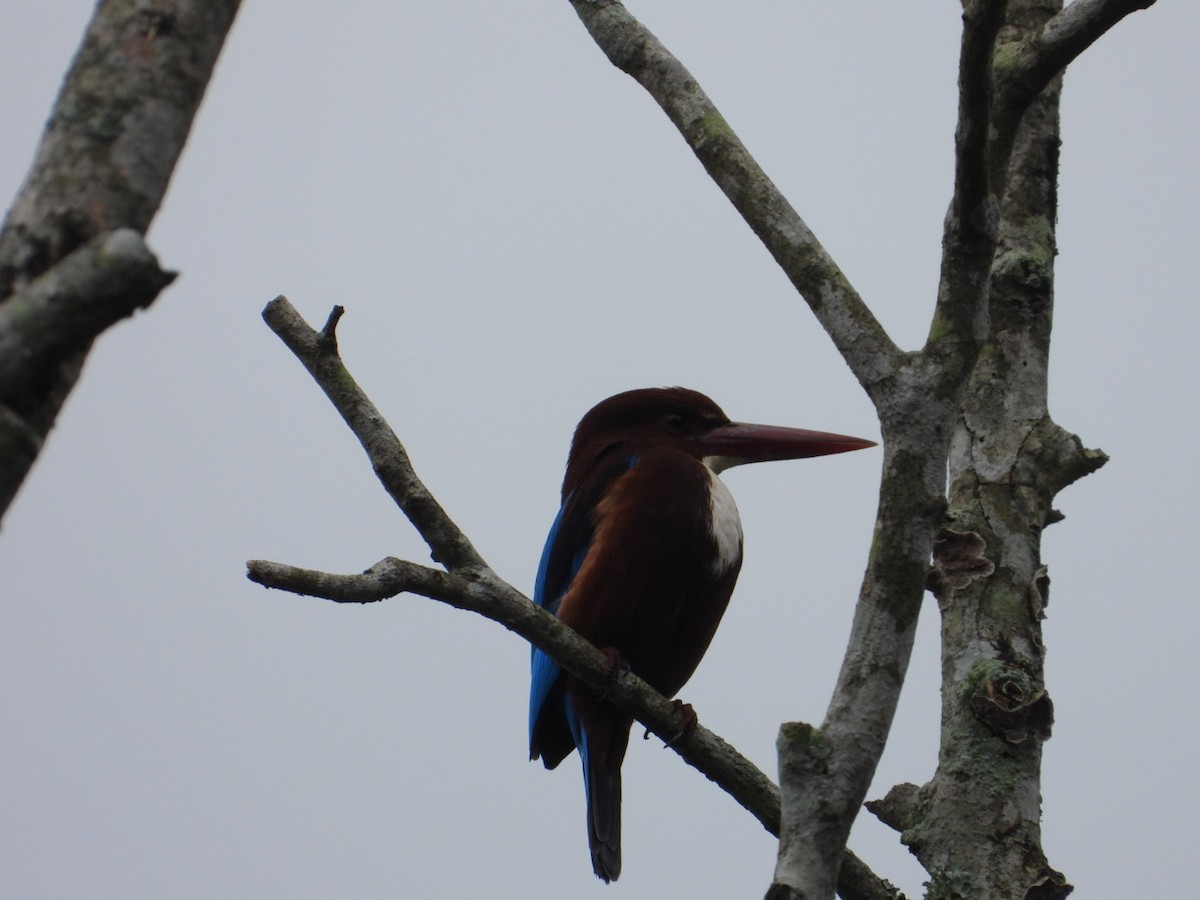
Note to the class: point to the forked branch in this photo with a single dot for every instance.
(1027, 67)
(471, 585)
(317, 350)
(826, 772)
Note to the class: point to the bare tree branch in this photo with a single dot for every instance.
(318, 352)
(969, 237)
(854, 329)
(1024, 68)
(483, 592)
(981, 23)
(112, 141)
(387, 578)
(825, 773)
(60, 312)
(474, 587)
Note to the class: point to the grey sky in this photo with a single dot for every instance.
(516, 231)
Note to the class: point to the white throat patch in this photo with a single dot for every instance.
(726, 524)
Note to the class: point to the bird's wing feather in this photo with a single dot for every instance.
(566, 547)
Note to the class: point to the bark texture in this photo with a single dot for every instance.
(58, 313)
(976, 826)
(116, 131)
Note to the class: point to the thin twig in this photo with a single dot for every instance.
(318, 352)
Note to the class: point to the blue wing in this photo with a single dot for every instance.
(545, 671)
(561, 559)
(554, 730)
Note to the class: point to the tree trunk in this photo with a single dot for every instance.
(976, 826)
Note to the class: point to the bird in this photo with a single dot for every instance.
(641, 560)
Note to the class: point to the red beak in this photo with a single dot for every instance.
(738, 443)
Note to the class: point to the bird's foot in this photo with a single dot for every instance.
(687, 720)
(615, 667)
(687, 723)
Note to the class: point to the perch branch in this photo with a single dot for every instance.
(485, 593)
(473, 586)
(630, 46)
(476, 588)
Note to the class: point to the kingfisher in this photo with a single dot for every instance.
(641, 560)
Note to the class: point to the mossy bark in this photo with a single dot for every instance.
(976, 826)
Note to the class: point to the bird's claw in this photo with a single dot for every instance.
(687, 723)
(687, 720)
(615, 667)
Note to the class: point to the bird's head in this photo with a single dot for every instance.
(691, 422)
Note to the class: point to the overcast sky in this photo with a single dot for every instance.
(516, 232)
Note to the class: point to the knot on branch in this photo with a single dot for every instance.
(328, 338)
(1010, 701)
(1056, 458)
(1038, 593)
(65, 308)
(1050, 885)
(802, 749)
(901, 809)
(957, 561)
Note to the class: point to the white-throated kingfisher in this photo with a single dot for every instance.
(641, 561)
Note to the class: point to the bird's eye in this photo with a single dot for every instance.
(675, 423)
